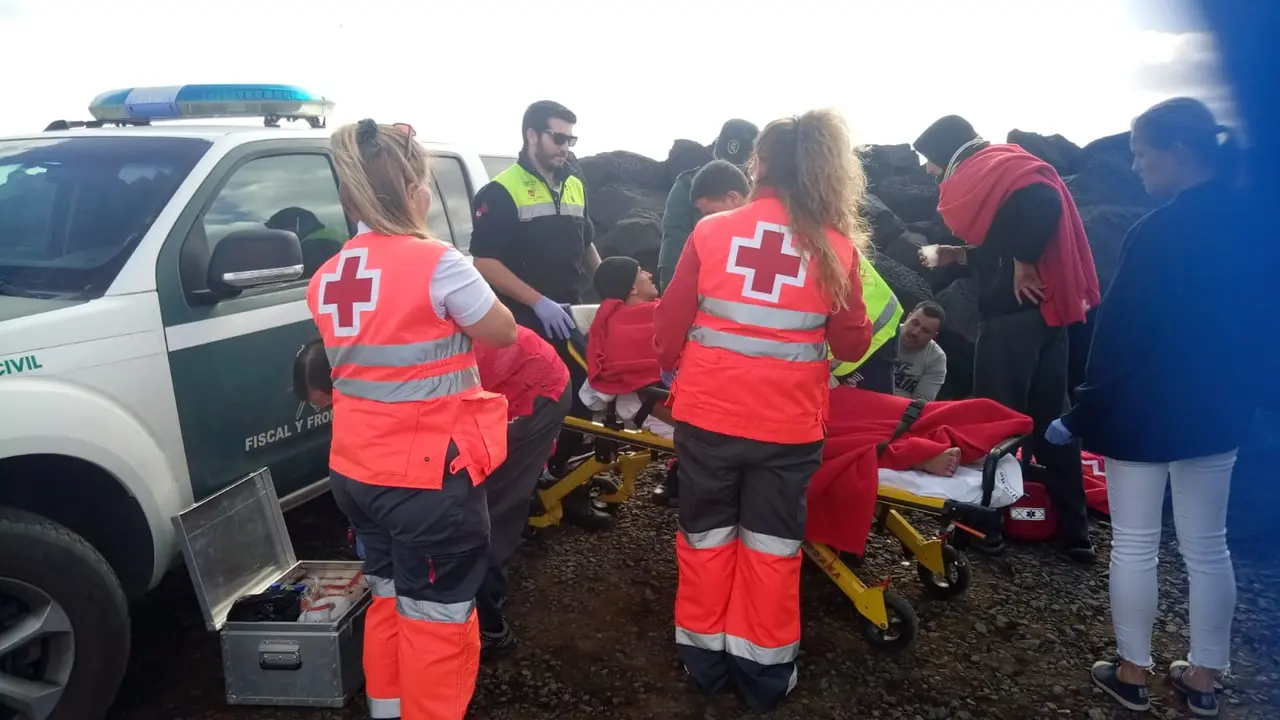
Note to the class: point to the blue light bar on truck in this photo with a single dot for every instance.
(273, 102)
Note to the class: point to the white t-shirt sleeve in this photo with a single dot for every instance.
(458, 290)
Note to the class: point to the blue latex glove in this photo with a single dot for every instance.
(668, 378)
(1058, 434)
(556, 321)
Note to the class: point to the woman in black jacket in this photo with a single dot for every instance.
(1167, 394)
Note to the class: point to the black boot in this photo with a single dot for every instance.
(497, 645)
(668, 493)
(580, 510)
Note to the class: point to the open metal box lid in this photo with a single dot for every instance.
(235, 543)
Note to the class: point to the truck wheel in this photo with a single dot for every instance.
(64, 623)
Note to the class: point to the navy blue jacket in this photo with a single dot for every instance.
(1171, 375)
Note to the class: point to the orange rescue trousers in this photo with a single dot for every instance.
(425, 556)
(742, 520)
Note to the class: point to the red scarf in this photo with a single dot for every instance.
(620, 353)
(968, 202)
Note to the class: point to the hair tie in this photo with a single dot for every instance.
(367, 132)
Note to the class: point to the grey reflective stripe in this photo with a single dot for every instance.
(411, 391)
(407, 355)
(886, 315)
(757, 347)
(713, 538)
(770, 544)
(380, 709)
(380, 586)
(760, 315)
(706, 641)
(546, 209)
(453, 613)
(739, 647)
(542, 209)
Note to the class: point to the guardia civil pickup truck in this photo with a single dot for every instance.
(152, 283)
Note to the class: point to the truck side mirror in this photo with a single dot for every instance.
(253, 258)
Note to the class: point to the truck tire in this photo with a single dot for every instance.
(57, 586)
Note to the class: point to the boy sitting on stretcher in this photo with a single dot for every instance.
(621, 360)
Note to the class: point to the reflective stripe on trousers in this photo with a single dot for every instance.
(545, 209)
(434, 612)
(382, 650)
(713, 638)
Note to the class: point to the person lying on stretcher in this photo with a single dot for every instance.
(621, 360)
(869, 431)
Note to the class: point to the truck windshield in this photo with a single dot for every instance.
(72, 209)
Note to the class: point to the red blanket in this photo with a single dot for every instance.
(842, 495)
(968, 202)
(620, 354)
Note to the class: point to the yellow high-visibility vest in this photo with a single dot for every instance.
(883, 309)
(533, 198)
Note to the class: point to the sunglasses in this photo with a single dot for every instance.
(409, 134)
(562, 138)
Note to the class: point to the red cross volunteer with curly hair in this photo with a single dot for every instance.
(758, 294)
(414, 434)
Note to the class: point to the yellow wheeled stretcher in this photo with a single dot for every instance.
(888, 620)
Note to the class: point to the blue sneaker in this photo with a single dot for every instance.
(1132, 697)
(1199, 702)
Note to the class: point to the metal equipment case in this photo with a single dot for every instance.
(235, 543)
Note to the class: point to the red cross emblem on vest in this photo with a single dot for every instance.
(349, 291)
(766, 262)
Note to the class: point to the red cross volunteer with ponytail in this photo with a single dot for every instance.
(758, 294)
(414, 434)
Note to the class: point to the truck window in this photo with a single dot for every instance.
(494, 164)
(455, 195)
(437, 222)
(72, 209)
(296, 192)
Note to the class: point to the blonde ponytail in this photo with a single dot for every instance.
(810, 162)
(378, 167)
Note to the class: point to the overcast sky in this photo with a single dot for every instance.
(464, 71)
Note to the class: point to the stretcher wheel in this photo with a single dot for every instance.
(957, 579)
(600, 486)
(904, 625)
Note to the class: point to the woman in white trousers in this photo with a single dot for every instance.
(1162, 401)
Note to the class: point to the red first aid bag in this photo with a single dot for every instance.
(1031, 518)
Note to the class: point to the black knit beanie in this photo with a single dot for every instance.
(615, 277)
(943, 138)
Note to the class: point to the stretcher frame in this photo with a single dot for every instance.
(888, 620)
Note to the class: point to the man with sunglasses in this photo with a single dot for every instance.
(533, 242)
(532, 238)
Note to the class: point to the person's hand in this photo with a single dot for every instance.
(932, 256)
(1026, 283)
(668, 378)
(556, 321)
(1058, 434)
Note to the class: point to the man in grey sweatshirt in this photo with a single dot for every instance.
(921, 367)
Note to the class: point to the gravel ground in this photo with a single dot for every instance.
(594, 613)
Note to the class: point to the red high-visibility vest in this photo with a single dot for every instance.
(405, 382)
(755, 365)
